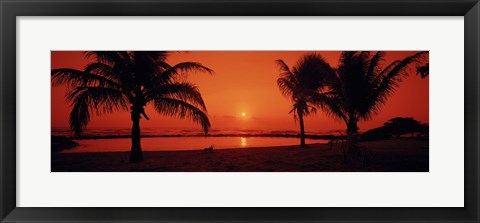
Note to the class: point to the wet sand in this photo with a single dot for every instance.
(400, 155)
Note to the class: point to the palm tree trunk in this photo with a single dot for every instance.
(136, 155)
(302, 130)
(352, 136)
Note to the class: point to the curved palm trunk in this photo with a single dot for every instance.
(302, 130)
(136, 150)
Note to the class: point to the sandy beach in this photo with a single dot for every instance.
(401, 155)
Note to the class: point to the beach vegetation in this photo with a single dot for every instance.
(129, 81)
(302, 84)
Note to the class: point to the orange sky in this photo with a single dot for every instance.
(245, 82)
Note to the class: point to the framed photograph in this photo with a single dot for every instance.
(217, 122)
(318, 111)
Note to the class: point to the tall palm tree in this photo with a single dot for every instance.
(361, 85)
(301, 84)
(128, 81)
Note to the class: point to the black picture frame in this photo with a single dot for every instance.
(10, 9)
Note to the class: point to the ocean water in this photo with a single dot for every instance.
(184, 143)
(118, 140)
(111, 133)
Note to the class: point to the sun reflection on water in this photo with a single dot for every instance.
(243, 141)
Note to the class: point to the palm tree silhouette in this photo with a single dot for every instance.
(423, 71)
(304, 82)
(128, 81)
(361, 86)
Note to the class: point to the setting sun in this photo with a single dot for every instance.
(243, 114)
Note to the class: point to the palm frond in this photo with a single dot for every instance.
(158, 56)
(104, 70)
(423, 71)
(110, 57)
(118, 65)
(294, 111)
(346, 57)
(75, 77)
(286, 87)
(181, 109)
(285, 71)
(375, 63)
(183, 69)
(393, 74)
(85, 100)
(312, 72)
(80, 115)
(330, 103)
(181, 91)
